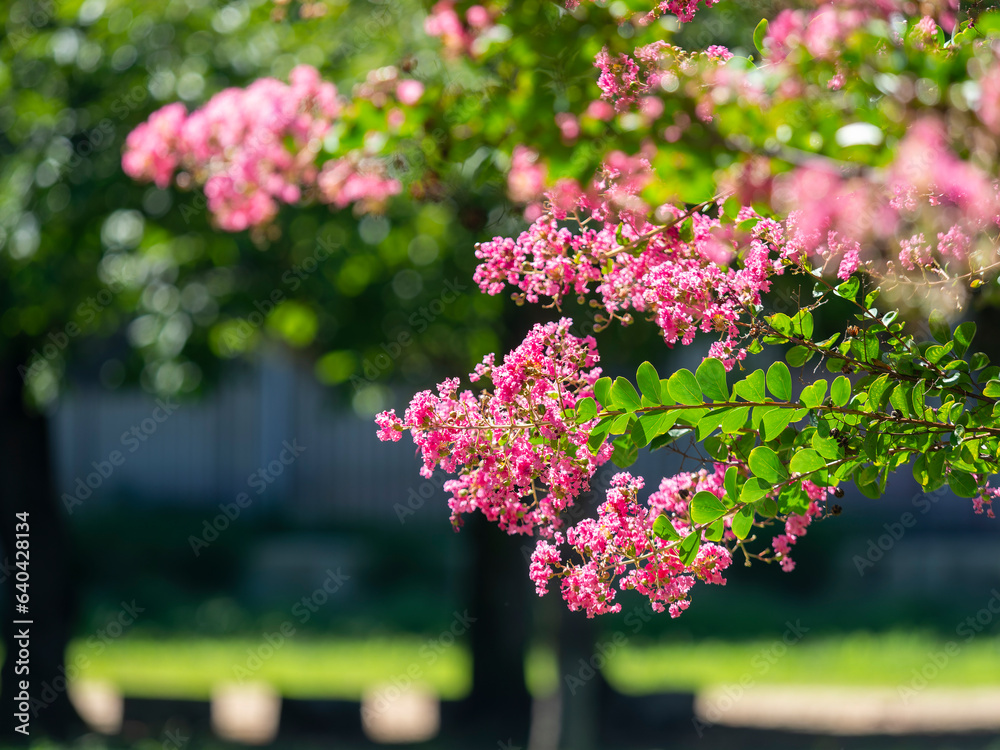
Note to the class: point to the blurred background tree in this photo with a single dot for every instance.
(108, 285)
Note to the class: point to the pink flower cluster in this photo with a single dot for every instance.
(821, 31)
(621, 552)
(843, 220)
(625, 79)
(526, 179)
(985, 502)
(685, 285)
(683, 9)
(522, 461)
(519, 459)
(358, 179)
(834, 217)
(459, 36)
(254, 149)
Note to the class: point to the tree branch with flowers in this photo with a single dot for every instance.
(859, 132)
(853, 155)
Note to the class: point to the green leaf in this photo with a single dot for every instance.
(871, 345)
(988, 22)
(900, 399)
(668, 437)
(876, 391)
(684, 389)
(625, 452)
(715, 532)
(688, 549)
(840, 391)
(625, 395)
(779, 381)
(935, 354)
(759, 34)
(806, 461)
(917, 398)
(813, 394)
(962, 484)
(597, 434)
(849, 289)
(920, 470)
(827, 447)
(710, 423)
(649, 382)
(743, 522)
(732, 474)
(586, 409)
(651, 425)
(735, 419)
(706, 507)
(664, 529)
(764, 463)
(780, 323)
(963, 337)
(940, 329)
(992, 389)
(711, 376)
(767, 507)
(715, 448)
(620, 423)
(775, 421)
(754, 489)
(802, 324)
(602, 392)
(751, 388)
(799, 355)
(759, 412)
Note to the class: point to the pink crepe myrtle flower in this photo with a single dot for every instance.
(254, 149)
(409, 91)
(485, 439)
(526, 179)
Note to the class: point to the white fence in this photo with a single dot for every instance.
(272, 433)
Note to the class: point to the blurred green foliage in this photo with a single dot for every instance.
(159, 295)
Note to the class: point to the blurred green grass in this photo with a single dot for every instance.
(302, 668)
(345, 668)
(856, 659)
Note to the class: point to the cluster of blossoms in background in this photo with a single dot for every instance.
(683, 9)
(466, 34)
(926, 209)
(258, 147)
